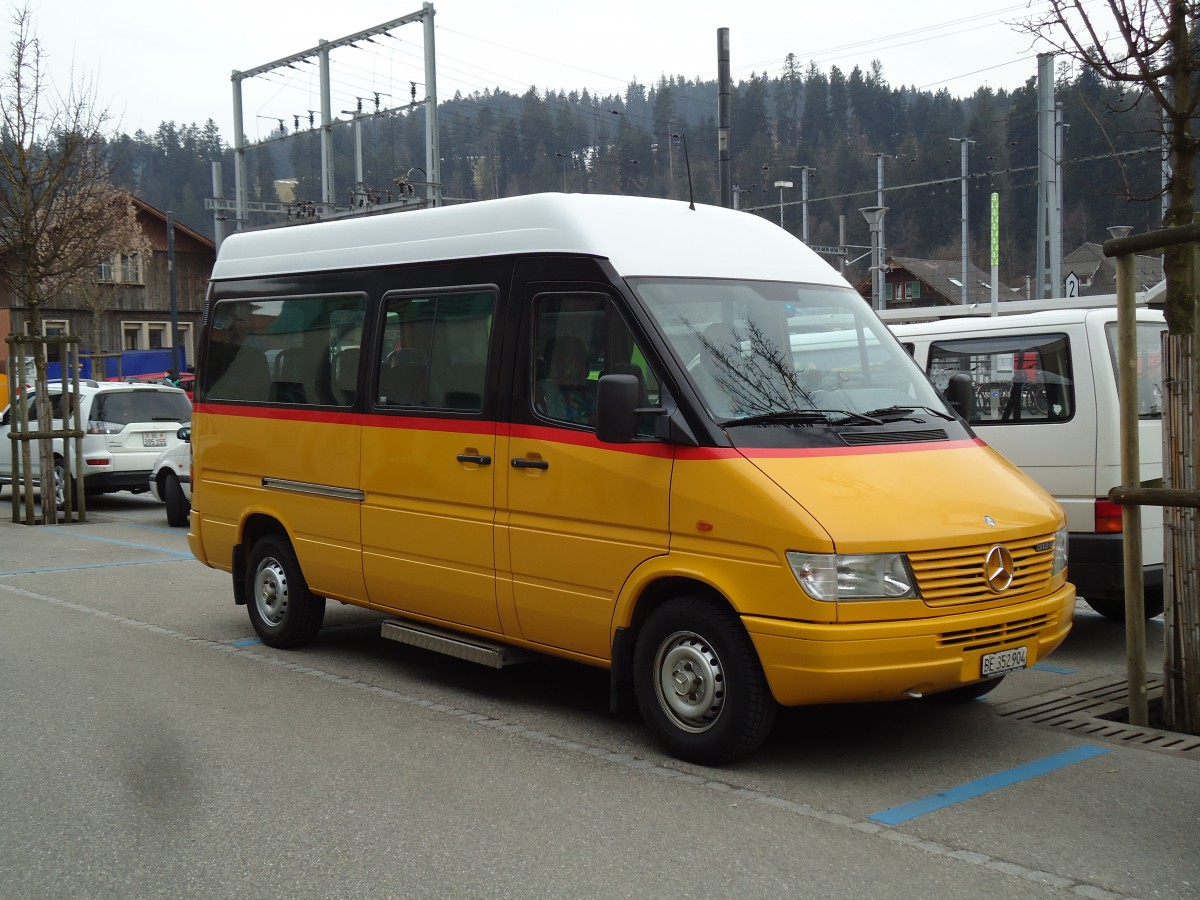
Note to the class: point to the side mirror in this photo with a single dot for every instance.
(184, 433)
(961, 394)
(616, 408)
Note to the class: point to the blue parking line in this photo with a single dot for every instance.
(898, 814)
(103, 565)
(104, 540)
(246, 642)
(1057, 670)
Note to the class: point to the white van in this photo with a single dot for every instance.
(1046, 398)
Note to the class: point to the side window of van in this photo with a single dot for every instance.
(577, 338)
(435, 349)
(1018, 378)
(293, 350)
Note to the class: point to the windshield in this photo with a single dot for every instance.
(770, 349)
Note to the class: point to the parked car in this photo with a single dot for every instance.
(126, 427)
(171, 478)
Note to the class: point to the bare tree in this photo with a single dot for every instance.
(1154, 44)
(59, 211)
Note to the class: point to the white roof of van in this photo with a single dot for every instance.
(640, 236)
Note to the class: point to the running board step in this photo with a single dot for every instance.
(452, 643)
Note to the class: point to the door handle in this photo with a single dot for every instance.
(474, 458)
(520, 463)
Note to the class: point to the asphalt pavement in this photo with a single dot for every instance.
(152, 747)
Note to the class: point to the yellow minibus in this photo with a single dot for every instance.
(663, 439)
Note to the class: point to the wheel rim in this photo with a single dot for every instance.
(689, 681)
(271, 591)
(60, 485)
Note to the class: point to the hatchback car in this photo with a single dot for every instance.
(126, 427)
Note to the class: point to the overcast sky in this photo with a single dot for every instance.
(150, 61)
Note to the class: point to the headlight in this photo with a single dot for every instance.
(876, 576)
(1060, 552)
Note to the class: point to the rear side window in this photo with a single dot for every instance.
(1018, 378)
(1149, 366)
(301, 351)
(127, 407)
(434, 351)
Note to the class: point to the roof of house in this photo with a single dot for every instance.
(180, 228)
(945, 277)
(1098, 273)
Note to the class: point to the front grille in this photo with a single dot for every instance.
(892, 437)
(995, 635)
(956, 577)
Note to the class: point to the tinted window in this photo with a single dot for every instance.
(576, 339)
(435, 349)
(1017, 378)
(294, 350)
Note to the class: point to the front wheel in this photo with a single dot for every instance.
(699, 683)
(283, 611)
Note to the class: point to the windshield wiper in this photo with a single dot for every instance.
(895, 412)
(825, 416)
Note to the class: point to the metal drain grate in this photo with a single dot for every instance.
(1096, 709)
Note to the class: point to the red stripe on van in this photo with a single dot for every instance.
(583, 439)
(703, 453)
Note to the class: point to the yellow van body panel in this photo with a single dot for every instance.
(428, 519)
(309, 462)
(574, 531)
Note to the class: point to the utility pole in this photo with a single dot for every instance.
(1049, 248)
(964, 144)
(805, 172)
(724, 165)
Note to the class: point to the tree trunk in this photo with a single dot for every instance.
(1181, 563)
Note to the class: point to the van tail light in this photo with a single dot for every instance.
(1108, 517)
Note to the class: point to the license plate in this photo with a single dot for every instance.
(154, 439)
(1002, 662)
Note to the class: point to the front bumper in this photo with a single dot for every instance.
(809, 663)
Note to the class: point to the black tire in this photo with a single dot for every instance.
(727, 711)
(283, 611)
(178, 506)
(1113, 608)
(969, 692)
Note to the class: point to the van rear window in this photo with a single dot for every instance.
(1018, 378)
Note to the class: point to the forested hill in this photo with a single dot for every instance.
(838, 125)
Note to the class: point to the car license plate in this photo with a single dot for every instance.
(1002, 662)
(154, 439)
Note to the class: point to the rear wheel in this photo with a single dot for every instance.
(177, 504)
(283, 611)
(62, 480)
(699, 683)
(1113, 609)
